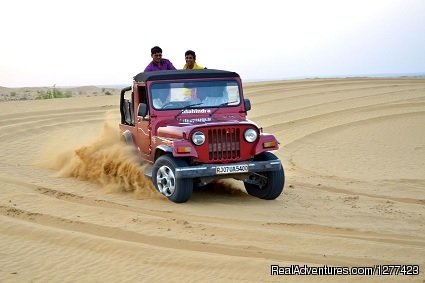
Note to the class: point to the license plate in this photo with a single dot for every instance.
(229, 169)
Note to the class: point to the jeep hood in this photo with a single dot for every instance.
(184, 125)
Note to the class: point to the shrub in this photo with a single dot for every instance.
(54, 94)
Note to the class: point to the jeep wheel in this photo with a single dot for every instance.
(273, 187)
(165, 181)
(127, 138)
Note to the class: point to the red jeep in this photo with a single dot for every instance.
(190, 127)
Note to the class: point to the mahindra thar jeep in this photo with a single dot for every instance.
(190, 127)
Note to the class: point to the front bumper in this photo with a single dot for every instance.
(210, 170)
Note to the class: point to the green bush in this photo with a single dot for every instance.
(55, 93)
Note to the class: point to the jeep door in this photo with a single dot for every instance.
(143, 127)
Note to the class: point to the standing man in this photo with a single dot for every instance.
(191, 64)
(158, 63)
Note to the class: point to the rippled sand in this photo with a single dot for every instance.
(75, 208)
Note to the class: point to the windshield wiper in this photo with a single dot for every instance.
(221, 105)
(187, 107)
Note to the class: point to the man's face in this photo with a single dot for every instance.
(157, 57)
(190, 61)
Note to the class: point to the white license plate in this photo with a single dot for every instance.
(229, 169)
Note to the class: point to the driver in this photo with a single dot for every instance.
(160, 97)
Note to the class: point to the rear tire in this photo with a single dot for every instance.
(127, 137)
(275, 180)
(165, 181)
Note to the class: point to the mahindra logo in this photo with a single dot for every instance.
(196, 111)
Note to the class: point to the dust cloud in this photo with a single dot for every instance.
(106, 160)
(224, 187)
(109, 162)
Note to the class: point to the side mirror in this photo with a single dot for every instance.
(142, 110)
(247, 104)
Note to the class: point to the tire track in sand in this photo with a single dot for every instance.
(15, 126)
(302, 228)
(243, 251)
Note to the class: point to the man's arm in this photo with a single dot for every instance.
(170, 65)
(148, 68)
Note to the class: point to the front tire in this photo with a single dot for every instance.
(165, 181)
(274, 184)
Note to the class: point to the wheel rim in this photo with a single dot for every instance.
(165, 180)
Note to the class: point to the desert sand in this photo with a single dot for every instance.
(75, 207)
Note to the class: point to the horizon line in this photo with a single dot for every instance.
(378, 75)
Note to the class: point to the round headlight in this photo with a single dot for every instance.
(198, 138)
(250, 135)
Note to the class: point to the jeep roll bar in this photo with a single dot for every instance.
(122, 103)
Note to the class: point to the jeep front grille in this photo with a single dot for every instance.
(224, 144)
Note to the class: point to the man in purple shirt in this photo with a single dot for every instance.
(158, 63)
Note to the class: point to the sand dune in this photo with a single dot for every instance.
(74, 206)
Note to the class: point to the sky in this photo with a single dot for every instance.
(83, 42)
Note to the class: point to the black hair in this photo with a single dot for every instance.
(190, 52)
(156, 49)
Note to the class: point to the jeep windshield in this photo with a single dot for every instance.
(195, 94)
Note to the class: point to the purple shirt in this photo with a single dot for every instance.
(164, 65)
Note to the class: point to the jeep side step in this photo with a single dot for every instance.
(148, 171)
